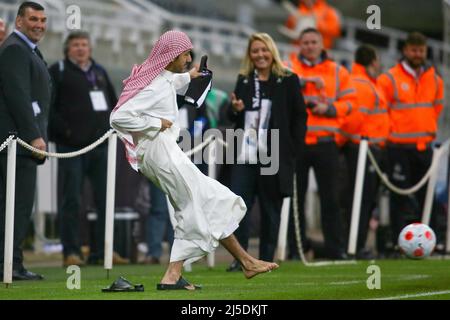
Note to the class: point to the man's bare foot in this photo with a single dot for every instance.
(256, 267)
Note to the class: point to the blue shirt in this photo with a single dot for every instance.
(25, 38)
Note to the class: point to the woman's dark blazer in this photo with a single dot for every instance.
(288, 115)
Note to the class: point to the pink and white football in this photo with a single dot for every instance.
(417, 241)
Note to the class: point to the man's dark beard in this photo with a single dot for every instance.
(185, 68)
(415, 65)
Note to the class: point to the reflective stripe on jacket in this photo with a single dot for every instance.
(337, 93)
(369, 117)
(414, 104)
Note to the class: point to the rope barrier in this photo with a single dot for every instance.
(85, 150)
(94, 145)
(68, 154)
(204, 144)
(198, 148)
(422, 181)
(6, 143)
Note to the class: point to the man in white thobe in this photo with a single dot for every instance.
(206, 212)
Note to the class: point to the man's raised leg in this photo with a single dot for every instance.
(250, 265)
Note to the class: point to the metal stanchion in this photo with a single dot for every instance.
(428, 205)
(110, 194)
(357, 196)
(447, 244)
(9, 219)
(283, 230)
(212, 148)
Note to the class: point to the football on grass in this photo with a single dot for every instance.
(417, 241)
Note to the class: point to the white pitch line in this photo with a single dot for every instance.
(401, 278)
(417, 295)
(340, 283)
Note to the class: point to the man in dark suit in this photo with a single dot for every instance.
(24, 102)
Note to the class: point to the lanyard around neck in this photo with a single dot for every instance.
(256, 100)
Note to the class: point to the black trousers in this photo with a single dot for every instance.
(247, 182)
(24, 200)
(370, 188)
(407, 166)
(323, 158)
(71, 175)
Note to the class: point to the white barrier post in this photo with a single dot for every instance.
(46, 198)
(311, 201)
(9, 219)
(282, 233)
(357, 196)
(110, 195)
(383, 204)
(447, 245)
(428, 205)
(212, 174)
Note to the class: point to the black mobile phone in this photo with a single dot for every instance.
(203, 61)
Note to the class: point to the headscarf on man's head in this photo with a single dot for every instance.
(169, 46)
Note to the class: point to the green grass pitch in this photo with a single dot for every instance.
(400, 279)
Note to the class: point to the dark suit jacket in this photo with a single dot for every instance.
(288, 115)
(24, 79)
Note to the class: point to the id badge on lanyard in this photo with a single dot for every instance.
(97, 96)
(98, 100)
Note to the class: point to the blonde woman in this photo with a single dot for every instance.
(268, 106)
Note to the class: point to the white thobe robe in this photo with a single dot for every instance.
(205, 210)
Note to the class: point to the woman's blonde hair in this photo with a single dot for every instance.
(247, 66)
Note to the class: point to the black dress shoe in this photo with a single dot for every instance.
(24, 274)
(234, 266)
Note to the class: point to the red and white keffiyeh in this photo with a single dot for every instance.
(169, 46)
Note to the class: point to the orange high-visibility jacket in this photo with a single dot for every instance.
(337, 93)
(328, 21)
(369, 117)
(414, 104)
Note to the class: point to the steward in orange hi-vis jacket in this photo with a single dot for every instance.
(415, 102)
(369, 120)
(324, 82)
(328, 94)
(414, 93)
